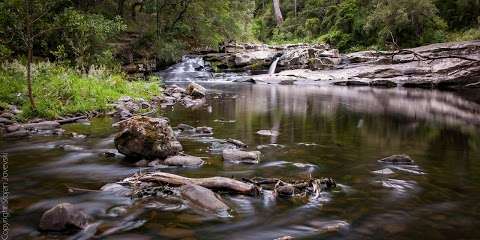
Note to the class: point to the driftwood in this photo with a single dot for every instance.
(70, 120)
(214, 183)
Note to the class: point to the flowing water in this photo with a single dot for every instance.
(273, 67)
(328, 131)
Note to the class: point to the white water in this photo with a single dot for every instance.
(189, 69)
(273, 67)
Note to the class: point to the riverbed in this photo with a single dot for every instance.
(328, 131)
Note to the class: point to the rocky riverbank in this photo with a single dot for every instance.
(442, 65)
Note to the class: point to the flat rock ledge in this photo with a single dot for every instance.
(442, 65)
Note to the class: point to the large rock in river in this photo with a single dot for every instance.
(145, 137)
(62, 217)
(196, 90)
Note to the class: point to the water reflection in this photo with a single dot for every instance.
(324, 131)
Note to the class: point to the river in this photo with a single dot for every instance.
(325, 131)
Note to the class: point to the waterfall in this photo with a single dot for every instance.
(273, 67)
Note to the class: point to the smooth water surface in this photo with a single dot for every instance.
(325, 131)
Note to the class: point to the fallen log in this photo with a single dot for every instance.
(70, 120)
(214, 183)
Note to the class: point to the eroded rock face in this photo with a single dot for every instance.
(236, 155)
(145, 137)
(443, 65)
(62, 217)
(260, 57)
(315, 57)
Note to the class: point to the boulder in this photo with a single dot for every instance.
(196, 90)
(397, 159)
(145, 137)
(235, 155)
(203, 199)
(187, 161)
(63, 217)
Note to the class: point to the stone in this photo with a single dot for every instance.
(13, 128)
(186, 161)
(17, 134)
(146, 137)
(116, 189)
(204, 130)
(7, 115)
(397, 159)
(78, 136)
(6, 121)
(185, 127)
(268, 133)
(125, 99)
(142, 163)
(62, 217)
(237, 143)
(43, 125)
(196, 90)
(203, 199)
(385, 171)
(235, 155)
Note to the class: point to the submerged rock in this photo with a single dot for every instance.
(385, 171)
(268, 133)
(145, 137)
(204, 130)
(237, 143)
(235, 155)
(62, 217)
(203, 199)
(397, 159)
(187, 161)
(116, 189)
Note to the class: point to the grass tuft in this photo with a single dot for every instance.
(60, 90)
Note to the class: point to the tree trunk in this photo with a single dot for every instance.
(121, 5)
(278, 12)
(295, 8)
(29, 76)
(29, 42)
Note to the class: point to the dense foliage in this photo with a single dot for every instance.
(89, 32)
(353, 24)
